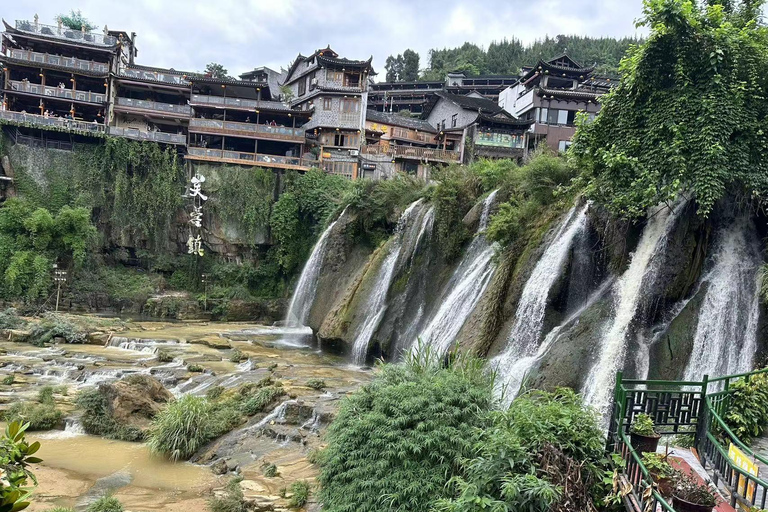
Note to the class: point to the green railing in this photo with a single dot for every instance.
(682, 407)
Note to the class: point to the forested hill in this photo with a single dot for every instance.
(506, 57)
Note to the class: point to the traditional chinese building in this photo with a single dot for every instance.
(58, 79)
(238, 121)
(400, 143)
(476, 127)
(334, 91)
(550, 94)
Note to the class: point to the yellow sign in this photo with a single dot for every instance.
(743, 461)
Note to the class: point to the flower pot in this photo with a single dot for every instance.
(681, 505)
(644, 444)
(666, 485)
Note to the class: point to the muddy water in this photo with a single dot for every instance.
(78, 468)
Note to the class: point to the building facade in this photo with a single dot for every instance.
(550, 94)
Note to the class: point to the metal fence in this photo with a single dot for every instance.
(62, 32)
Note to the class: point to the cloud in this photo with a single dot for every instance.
(243, 34)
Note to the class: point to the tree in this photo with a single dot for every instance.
(394, 67)
(216, 70)
(75, 21)
(689, 114)
(410, 70)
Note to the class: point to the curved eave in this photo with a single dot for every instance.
(139, 81)
(568, 95)
(54, 67)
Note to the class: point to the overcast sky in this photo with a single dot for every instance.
(243, 34)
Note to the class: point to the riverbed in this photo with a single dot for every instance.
(78, 468)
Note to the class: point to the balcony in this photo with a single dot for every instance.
(249, 130)
(51, 123)
(251, 159)
(75, 36)
(413, 135)
(58, 92)
(155, 76)
(57, 60)
(237, 103)
(133, 133)
(169, 108)
(349, 120)
(413, 153)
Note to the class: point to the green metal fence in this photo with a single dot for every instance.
(682, 407)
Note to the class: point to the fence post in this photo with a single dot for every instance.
(702, 423)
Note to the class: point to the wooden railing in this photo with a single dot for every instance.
(58, 92)
(61, 32)
(134, 133)
(257, 159)
(251, 130)
(412, 152)
(58, 60)
(53, 123)
(237, 103)
(157, 76)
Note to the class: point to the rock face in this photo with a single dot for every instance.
(135, 400)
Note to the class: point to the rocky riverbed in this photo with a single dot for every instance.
(78, 468)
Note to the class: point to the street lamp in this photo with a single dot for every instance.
(60, 276)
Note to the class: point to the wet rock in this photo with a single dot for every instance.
(16, 335)
(213, 341)
(220, 467)
(264, 310)
(98, 338)
(135, 400)
(297, 413)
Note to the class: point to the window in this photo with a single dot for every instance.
(333, 76)
(327, 103)
(302, 86)
(552, 116)
(543, 112)
(442, 125)
(563, 145)
(562, 117)
(338, 140)
(454, 119)
(571, 118)
(350, 105)
(351, 79)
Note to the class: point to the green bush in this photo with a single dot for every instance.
(269, 470)
(181, 428)
(747, 413)
(97, 419)
(9, 319)
(236, 356)
(299, 494)
(395, 441)
(316, 384)
(105, 504)
(45, 395)
(40, 416)
(15, 457)
(8, 380)
(263, 398)
(195, 368)
(232, 500)
(54, 325)
(163, 356)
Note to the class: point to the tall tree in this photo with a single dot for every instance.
(689, 115)
(410, 66)
(394, 67)
(216, 70)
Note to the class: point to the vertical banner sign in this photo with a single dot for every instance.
(195, 242)
(742, 460)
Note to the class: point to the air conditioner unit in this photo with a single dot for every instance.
(313, 81)
(353, 152)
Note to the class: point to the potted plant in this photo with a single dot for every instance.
(661, 472)
(643, 434)
(691, 496)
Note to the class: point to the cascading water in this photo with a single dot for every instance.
(628, 292)
(304, 296)
(465, 287)
(376, 305)
(523, 340)
(726, 333)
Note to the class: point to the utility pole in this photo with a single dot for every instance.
(60, 276)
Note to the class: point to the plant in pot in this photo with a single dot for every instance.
(661, 472)
(691, 496)
(643, 435)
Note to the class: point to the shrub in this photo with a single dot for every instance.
(395, 440)
(263, 397)
(54, 325)
(214, 392)
(299, 494)
(60, 509)
(643, 426)
(42, 416)
(232, 500)
(195, 368)
(105, 504)
(9, 319)
(8, 380)
(689, 489)
(181, 428)
(163, 356)
(97, 419)
(316, 384)
(747, 413)
(15, 457)
(269, 470)
(236, 356)
(224, 417)
(45, 395)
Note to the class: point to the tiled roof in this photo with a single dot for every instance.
(394, 119)
(523, 123)
(569, 93)
(225, 81)
(482, 105)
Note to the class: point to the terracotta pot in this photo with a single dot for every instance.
(681, 505)
(644, 444)
(666, 485)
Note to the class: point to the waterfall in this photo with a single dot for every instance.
(628, 292)
(523, 339)
(726, 333)
(465, 287)
(376, 305)
(304, 295)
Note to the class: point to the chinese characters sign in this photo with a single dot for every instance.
(498, 139)
(195, 242)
